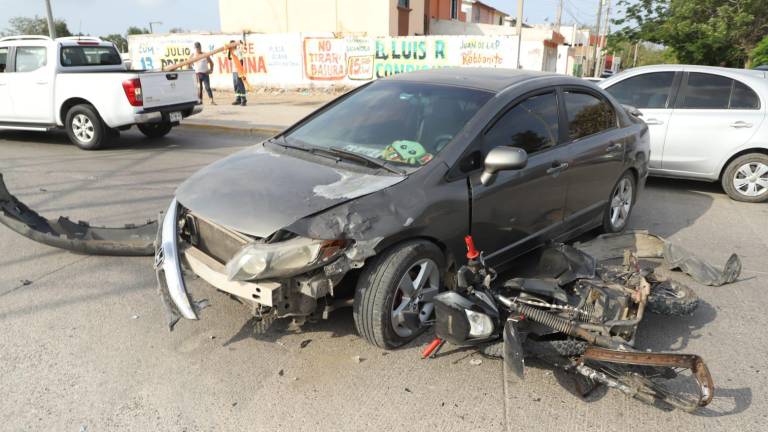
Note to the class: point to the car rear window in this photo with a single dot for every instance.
(587, 114)
(743, 97)
(706, 91)
(29, 59)
(90, 56)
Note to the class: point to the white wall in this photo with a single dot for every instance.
(320, 59)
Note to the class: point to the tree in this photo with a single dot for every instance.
(133, 30)
(35, 26)
(117, 39)
(647, 53)
(177, 30)
(760, 53)
(708, 32)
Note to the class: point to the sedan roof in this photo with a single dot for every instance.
(490, 79)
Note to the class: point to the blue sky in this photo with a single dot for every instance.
(101, 17)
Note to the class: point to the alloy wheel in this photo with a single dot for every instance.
(621, 203)
(83, 128)
(751, 179)
(412, 305)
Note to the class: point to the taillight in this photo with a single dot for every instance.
(132, 88)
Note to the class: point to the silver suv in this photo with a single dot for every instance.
(706, 123)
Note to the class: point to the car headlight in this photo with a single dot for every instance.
(282, 259)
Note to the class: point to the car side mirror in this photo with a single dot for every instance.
(502, 158)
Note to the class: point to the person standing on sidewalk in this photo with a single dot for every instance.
(240, 95)
(203, 69)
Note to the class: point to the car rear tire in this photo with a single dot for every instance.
(620, 204)
(746, 178)
(85, 128)
(155, 130)
(392, 303)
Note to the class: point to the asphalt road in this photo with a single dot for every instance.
(83, 344)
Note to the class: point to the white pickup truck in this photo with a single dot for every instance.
(82, 85)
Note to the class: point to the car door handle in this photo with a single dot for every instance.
(557, 167)
(654, 121)
(614, 147)
(741, 124)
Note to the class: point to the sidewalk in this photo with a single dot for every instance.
(265, 113)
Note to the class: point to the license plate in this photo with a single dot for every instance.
(175, 116)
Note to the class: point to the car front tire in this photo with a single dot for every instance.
(85, 128)
(392, 303)
(620, 204)
(746, 178)
(155, 130)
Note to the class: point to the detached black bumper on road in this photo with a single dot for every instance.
(130, 240)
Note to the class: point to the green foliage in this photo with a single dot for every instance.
(647, 54)
(708, 32)
(34, 26)
(760, 53)
(133, 30)
(117, 39)
(176, 30)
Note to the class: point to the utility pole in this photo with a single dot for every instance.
(634, 58)
(152, 30)
(597, 37)
(559, 15)
(519, 25)
(51, 23)
(601, 62)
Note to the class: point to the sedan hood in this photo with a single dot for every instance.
(258, 191)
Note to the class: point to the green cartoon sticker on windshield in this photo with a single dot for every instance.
(405, 151)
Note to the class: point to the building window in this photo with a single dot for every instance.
(454, 9)
(406, 4)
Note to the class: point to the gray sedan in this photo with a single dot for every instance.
(371, 196)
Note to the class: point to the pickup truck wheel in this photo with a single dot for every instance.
(155, 130)
(393, 300)
(85, 128)
(746, 178)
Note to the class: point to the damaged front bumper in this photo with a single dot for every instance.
(170, 281)
(295, 296)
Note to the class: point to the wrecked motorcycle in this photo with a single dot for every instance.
(582, 319)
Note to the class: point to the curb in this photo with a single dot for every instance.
(223, 128)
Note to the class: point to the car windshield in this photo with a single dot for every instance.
(90, 56)
(400, 122)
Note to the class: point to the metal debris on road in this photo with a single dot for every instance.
(646, 245)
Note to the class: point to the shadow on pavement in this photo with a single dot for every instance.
(134, 140)
(339, 324)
